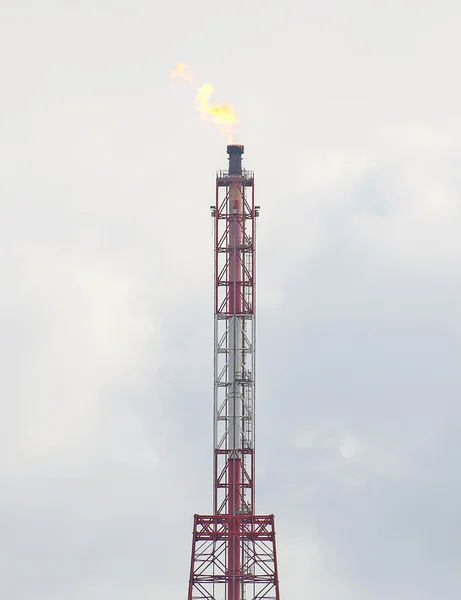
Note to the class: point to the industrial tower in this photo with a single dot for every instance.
(233, 550)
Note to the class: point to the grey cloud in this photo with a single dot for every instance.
(351, 124)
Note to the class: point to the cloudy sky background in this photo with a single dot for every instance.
(349, 112)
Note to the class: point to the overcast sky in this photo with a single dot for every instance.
(350, 116)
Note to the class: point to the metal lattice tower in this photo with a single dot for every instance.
(233, 550)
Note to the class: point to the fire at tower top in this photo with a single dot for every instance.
(223, 115)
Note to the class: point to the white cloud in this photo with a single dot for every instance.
(338, 453)
(399, 200)
(94, 336)
(305, 569)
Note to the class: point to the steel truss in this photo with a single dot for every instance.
(234, 357)
(258, 578)
(233, 551)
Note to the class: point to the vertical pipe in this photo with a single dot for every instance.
(216, 341)
(235, 211)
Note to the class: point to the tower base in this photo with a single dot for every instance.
(210, 578)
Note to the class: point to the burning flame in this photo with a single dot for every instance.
(180, 71)
(223, 115)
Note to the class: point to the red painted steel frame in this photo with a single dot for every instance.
(209, 575)
(233, 551)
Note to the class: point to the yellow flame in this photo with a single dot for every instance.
(221, 114)
(181, 72)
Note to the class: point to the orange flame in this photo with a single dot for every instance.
(180, 71)
(223, 115)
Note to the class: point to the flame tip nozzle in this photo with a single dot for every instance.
(235, 152)
(235, 149)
